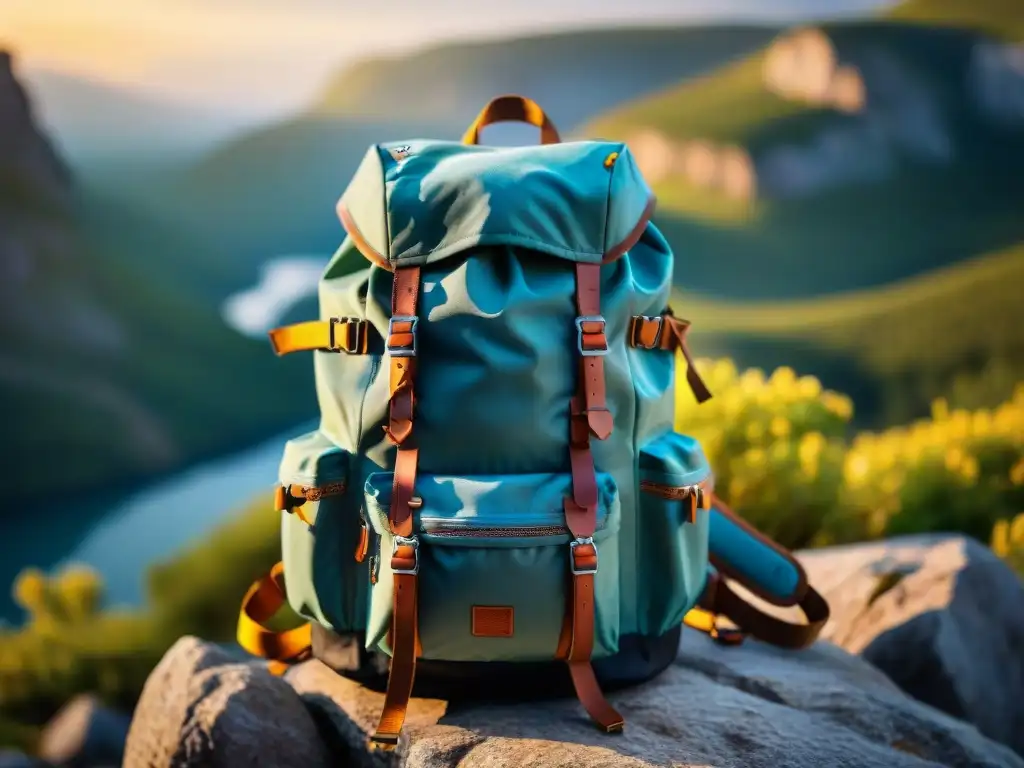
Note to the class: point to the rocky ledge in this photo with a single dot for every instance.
(921, 665)
(751, 705)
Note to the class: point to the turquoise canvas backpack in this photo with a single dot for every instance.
(495, 491)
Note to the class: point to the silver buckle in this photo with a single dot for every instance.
(657, 337)
(357, 337)
(579, 335)
(412, 541)
(579, 542)
(409, 351)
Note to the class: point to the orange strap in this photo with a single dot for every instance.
(512, 108)
(261, 602)
(668, 332)
(339, 334)
(402, 347)
(588, 416)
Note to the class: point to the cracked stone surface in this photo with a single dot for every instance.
(201, 706)
(753, 706)
(942, 616)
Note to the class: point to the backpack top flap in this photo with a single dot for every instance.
(422, 201)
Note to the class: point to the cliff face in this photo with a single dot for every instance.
(25, 151)
(100, 354)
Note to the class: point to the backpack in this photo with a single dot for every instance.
(495, 490)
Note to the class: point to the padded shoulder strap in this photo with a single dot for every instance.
(743, 554)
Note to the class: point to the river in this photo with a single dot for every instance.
(121, 536)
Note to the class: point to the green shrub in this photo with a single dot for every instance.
(69, 646)
(776, 445)
(1008, 537)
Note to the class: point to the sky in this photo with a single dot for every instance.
(231, 54)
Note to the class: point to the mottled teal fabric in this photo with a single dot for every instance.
(497, 232)
(498, 541)
(441, 198)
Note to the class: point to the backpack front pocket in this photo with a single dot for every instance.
(494, 566)
(674, 495)
(319, 536)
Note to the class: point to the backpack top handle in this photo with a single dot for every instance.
(512, 108)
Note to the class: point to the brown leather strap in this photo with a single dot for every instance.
(402, 349)
(291, 498)
(719, 599)
(581, 642)
(405, 558)
(668, 332)
(512, 108)
(588, 415)
(403, 650)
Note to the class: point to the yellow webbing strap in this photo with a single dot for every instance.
(261, 602)
(707, 622)
(340, 334)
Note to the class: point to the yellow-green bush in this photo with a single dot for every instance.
(69, 646)
(779, 449)
(776, 444)
(1008, 537)
(957, 471)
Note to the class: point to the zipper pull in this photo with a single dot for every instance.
(364, 538)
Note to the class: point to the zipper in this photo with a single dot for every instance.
(454, 530)
(677, 492)
(698, 496)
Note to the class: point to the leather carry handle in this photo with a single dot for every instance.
(512, 108)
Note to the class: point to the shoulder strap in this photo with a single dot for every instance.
(739, 552)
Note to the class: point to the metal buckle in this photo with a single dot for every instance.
(636, 335)
(402, 541)
(579, 542)
(356, 336)
(580, 333)
(402, 351)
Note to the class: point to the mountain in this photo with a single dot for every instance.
(111, 370)
(95, 124)
(273, 191)
(847, 199)
(955, 332)
(839, 157)
(1002, 19)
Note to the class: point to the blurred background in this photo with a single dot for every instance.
(842, 182)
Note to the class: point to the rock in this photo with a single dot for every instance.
(201, 706)
(13, 759)
(942, 616)
(84, 734)
(716, 707)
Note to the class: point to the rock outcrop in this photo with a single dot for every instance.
(751, 705)
(941, 616)
(84, 734)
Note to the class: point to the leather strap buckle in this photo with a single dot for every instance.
(577, 570)
(582, 332)
(352, 337)
(402, 350)
(636, 327)
(411, 542)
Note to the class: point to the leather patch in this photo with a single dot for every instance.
(492, 621)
